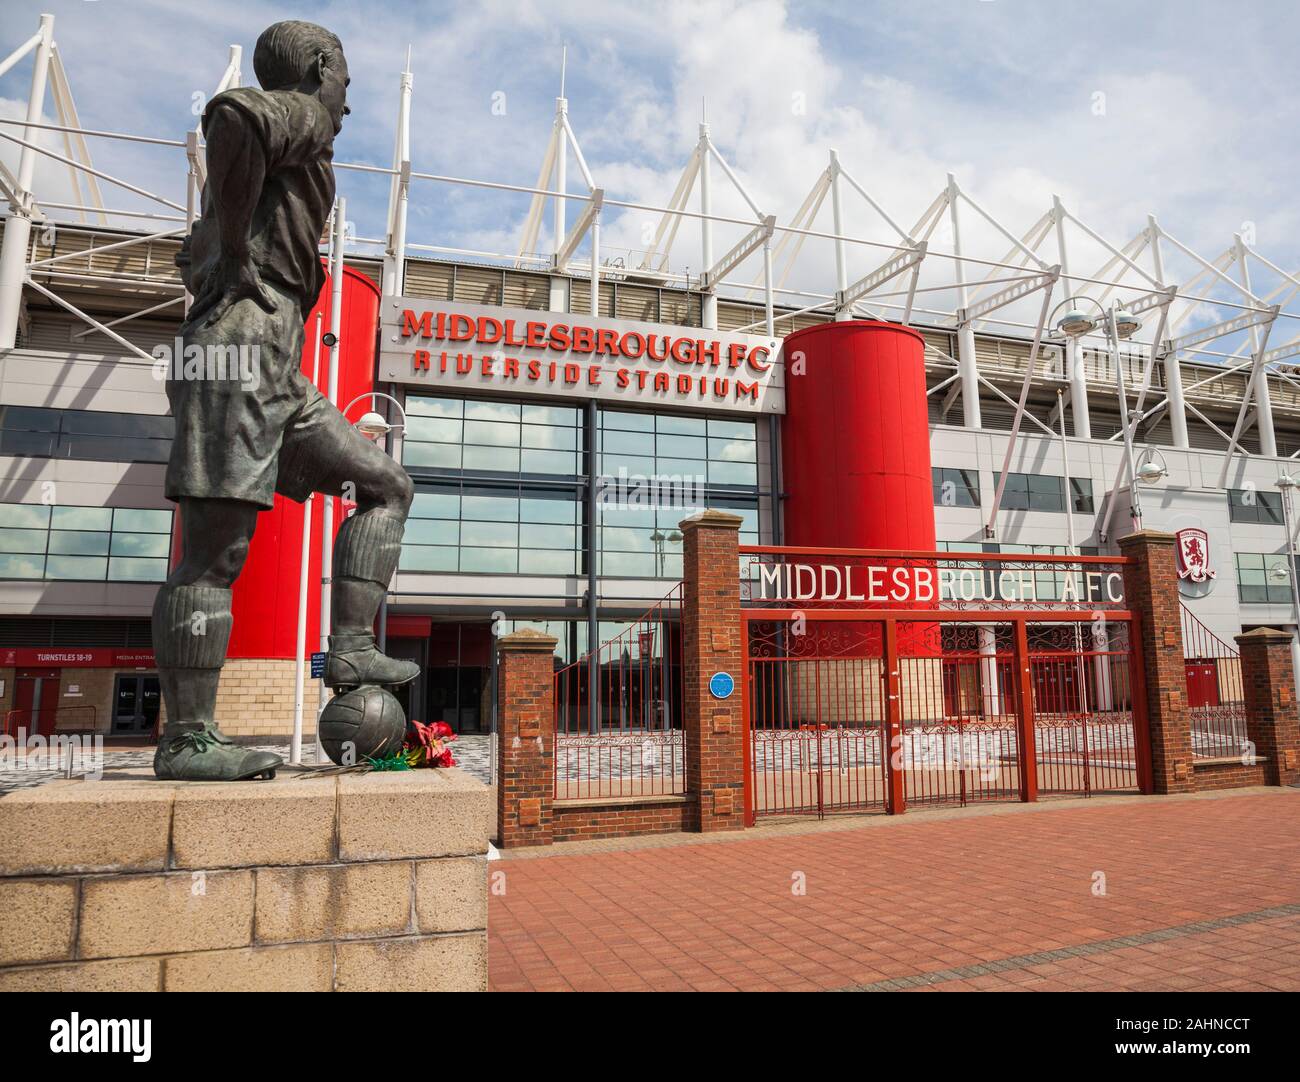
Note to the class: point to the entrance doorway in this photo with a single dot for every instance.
(136, 701)
(36, 701)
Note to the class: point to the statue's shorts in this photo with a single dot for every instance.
(249, 424)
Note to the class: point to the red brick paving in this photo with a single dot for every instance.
(921, 895)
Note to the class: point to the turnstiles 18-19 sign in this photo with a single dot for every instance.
(481, 348)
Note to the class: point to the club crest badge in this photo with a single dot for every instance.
(1194, 555)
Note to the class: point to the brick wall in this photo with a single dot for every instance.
(525, 738)
(712, 642)
(585, 820)
(255, 698)
(1268, 680)
(1151, 586)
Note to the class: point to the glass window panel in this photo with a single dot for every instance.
(442, 455)
(21, 567)
(140, 544)
(557, 462)
(492, 534)
(550, 437)
(82, 518)
(136, 570)
(551, 415)
(612, 464)
(431, 531)
(744, 430)
(436, 505)
(428, 558)
(551, 537)
(671, 568)
(694, 447)
(490, 508)
(492, 458)
(681, 467)
(435, 429)
(681, 426)
(627, 443)
(733, 450)
(142, 520)
(86, 543)
(547, 562)
(76, 567)
(428, 406)
(30, 541)
(625, 539)
(626, 515)
(492, 411)
(502, 561)
(38, 444)
(33, 516)
(627, 421)
(628, 563)
(539, 510)
(733, 473)
(492, 433)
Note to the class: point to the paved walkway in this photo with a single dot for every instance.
(24, 769)
(1199, 892)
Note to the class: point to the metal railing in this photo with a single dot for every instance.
(1215, 696)
(52, 722)
(618, 717)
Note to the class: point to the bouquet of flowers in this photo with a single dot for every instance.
(425, 745)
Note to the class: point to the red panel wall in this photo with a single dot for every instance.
(856, 438)
(265, 601)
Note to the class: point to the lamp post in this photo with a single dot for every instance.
(661, 541)
(1288, 485)
(1119, 323)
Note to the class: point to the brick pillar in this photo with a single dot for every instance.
(1151, 587)
(712, 642)
(525, 738)
(1268, 679)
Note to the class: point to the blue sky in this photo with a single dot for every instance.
(1198, 104)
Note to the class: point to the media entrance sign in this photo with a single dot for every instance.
(474, 348)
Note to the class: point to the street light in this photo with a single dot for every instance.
(1119, 323)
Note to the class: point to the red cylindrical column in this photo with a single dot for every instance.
(856, 438)
(265, 602)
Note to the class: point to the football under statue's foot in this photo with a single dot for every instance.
(355, 660)
(205, 754)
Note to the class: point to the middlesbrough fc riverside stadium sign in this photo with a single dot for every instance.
(474, 348)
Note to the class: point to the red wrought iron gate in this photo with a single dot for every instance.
(855, 709)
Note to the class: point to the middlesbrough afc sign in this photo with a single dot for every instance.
(1194, 555)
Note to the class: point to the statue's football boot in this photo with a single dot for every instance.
(189, 752)
(355, 660)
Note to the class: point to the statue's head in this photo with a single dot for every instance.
(294, 55)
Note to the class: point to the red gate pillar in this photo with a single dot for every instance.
(525, 738)
(712, 637)
(1026, 736)
(1151, 589)
(1271, 720)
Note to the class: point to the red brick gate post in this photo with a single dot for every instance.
(1272, 727)
(712, 642)
(1151, 589)
(525, 738)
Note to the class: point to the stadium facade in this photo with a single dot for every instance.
(561, 412)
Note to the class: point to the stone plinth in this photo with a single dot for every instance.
(353, 882)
